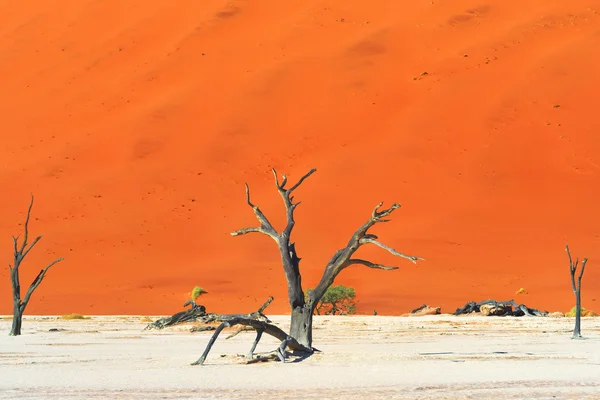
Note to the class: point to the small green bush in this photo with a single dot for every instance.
(337, 300)
(197, 292)
(573, 312)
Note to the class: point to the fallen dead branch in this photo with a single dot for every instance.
(260, 327)
(256, 321)
(198, 314)
(500, 308)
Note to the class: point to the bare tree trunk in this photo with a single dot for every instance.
(577, 290)
(15, 330)
(577, 330)
(301, 325)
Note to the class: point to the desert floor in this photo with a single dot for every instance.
(434, 357)
(135, 124)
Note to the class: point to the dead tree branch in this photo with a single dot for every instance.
(260, 327)
(287, 249)
(190, 315)
(240, 330)
(342, 258)
(261, 324)
(197, 313)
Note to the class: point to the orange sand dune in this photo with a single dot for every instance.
(136, 124)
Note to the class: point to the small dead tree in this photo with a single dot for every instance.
(577, 290)
(20, 252)
(303, 307)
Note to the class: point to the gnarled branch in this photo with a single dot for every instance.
(368, 264)
(36, 282)
(366, 240)
(265, 226)
(288, 199)
(260, 327)
(343, 257)
(287, 249)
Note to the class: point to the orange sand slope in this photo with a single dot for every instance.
(136, 124)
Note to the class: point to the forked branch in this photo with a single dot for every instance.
(287, 250)
(265, 226)
(36, 282)
(573, 269)
(343, 257)
(288, 199)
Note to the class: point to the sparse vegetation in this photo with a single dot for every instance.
(584, 313)
(73, 316)
(573, 312)
(337, 300)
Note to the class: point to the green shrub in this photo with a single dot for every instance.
(573, 312)
(197, 292)
(337, 300)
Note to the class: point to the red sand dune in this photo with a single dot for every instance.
(137, 123)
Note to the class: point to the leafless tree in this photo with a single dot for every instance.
(577, 290)
(303, 308)
(20, 252)
(299, 340)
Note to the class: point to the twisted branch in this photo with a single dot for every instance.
(342, 258)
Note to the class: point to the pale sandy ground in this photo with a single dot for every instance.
(439, 357)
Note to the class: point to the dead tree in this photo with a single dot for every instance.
(303, 309)
(20, 252)
(576, 290)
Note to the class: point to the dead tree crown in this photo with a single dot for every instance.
(20, 252)
(341, 259)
